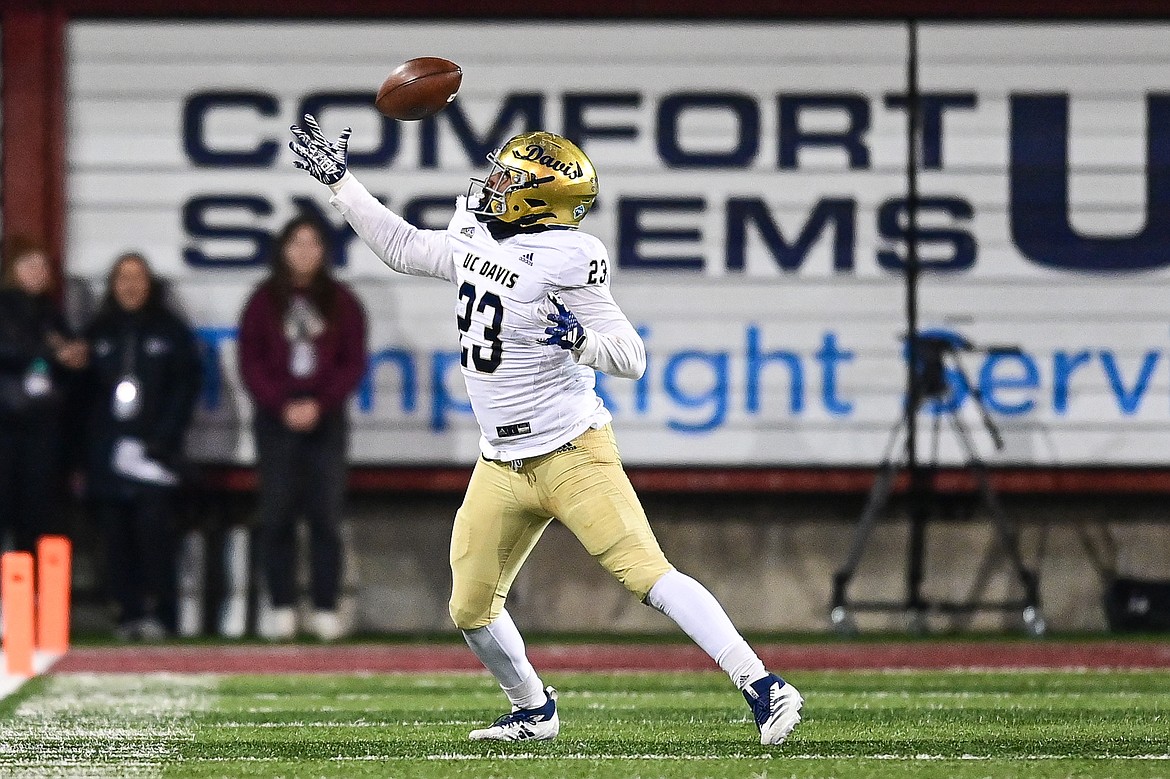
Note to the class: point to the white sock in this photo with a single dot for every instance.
(501, 649)
(694, 609)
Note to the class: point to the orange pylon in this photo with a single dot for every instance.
(54, 568)
(16, 593)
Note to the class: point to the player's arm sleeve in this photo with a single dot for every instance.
(612, 345)
(399, 244)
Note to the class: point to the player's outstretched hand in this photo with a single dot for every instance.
(566, 332)
(325, 160)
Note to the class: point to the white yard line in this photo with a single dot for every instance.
(103, 725)
(675, 758)
(10, 683)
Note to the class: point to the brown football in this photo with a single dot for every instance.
(419, 88)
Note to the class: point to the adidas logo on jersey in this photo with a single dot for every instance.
(468, 232)
(519, 428)
(526, 258)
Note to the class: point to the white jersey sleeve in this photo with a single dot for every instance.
(612, 345)
(399, 244)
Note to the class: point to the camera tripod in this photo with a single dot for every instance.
(930, 383)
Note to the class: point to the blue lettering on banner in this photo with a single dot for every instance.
(1129, 398)
(200, 217)
(1020, 373)
(893, 216)
(408, 379)
(1009, 373)
(443, 400)
(693, 388)
(854, 108)
(1038, 173)
(201, 213)
(745, 137)
(1063, 367)
(713, 398)
(233, 217)
(1039, 191)
(195, 112)
(633, 233)
(931, 106)
(838, 215)
(578, 130)
(525, 111)
(755, 365)
(831, 356)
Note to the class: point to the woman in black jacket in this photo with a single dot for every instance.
(146, 373)
(38, 359)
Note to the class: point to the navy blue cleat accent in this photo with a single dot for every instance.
(540, 724)
(776, 706)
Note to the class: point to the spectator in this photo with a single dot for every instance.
(146, 374)
(38, 356)
(302, 351)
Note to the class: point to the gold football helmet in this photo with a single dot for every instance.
(536, 178)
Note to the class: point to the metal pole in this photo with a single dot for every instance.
(919, 477)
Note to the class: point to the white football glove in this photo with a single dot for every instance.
(326, 161)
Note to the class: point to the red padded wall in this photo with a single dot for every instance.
(32, 157)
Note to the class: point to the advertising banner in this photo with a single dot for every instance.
(753, 201)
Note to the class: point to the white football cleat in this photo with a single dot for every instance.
(776, 705)
(540, 724)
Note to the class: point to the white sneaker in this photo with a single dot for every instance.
(327, 625)
(541, 724)
(151, 630)
(189, 620)
(776, 706)
(281, 624)
(233, 616)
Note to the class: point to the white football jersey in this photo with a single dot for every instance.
(528, 397)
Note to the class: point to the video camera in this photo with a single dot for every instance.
(931, 349)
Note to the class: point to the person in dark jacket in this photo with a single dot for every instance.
(302, 352)
(146, 372)
(39, 358)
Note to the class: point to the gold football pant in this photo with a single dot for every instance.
(505, 511)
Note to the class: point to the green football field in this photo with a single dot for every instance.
(857, 724)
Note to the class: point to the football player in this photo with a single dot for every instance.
(535, 319)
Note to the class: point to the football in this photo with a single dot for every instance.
(419, 88)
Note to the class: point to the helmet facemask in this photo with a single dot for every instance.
(489, 196)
